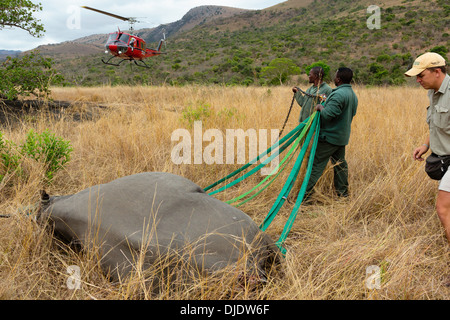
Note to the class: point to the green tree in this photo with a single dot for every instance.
(30, 73)
(25, 75)
(279, 69)
(325, 67)
(19, 14)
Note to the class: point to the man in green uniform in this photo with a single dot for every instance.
(336, 116)
(309, 100)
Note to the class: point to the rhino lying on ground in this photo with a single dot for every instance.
(156, 214)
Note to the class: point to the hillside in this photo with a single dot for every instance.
(225, 45)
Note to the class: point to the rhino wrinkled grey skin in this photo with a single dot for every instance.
(156, 214)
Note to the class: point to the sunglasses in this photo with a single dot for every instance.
(421, 75)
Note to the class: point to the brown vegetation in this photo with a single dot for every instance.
(389, 221)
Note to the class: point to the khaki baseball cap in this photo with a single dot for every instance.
(425, 61)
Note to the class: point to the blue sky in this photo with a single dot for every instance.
(65, 20)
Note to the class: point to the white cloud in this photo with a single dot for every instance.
(63, 22)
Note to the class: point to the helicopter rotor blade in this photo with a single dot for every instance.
(108, 14)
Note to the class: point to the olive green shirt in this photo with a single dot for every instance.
(308, 103)
(337, 115)
(438, 118)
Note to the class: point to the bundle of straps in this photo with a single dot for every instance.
(304, 135)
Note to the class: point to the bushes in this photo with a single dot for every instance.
(50, 151)
(279, 70)
(325, 67)
(382, 76)
(191, 114)
(28, 74)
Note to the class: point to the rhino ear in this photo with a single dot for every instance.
(45, 198)
(45, 201)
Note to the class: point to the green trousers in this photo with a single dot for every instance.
(326, 151)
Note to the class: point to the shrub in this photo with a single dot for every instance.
(53, 152)
(29, 74)
(384, 58)
(201, 112)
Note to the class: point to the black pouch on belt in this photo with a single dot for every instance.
(436, 166)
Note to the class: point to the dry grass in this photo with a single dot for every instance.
(389, 220)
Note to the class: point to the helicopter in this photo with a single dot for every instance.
(127, 46)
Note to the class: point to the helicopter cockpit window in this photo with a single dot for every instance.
(124, 37)
(112, 37)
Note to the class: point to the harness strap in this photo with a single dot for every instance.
(281, 145)
(271, 176)
(301, 194)
(291, 179)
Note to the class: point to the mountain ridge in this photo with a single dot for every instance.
(11, 53)
(195, 16)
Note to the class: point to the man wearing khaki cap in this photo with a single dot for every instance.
(430, 71)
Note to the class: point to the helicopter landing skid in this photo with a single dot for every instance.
(142, 64)
(112, 64)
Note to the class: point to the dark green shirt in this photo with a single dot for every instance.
(337, 115)
(308, 103)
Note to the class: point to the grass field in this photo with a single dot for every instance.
(389, 220)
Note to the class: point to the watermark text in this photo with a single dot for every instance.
(235, 146)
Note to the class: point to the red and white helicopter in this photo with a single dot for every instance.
(126, 46)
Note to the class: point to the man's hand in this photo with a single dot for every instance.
(419, 152)
(295, 89)
(319, 107)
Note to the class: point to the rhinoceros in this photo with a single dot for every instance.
(154, 214)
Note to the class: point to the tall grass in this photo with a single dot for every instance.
(389, 220)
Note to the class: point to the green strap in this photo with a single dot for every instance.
(263, 164)
(272, 180)
(311, 126)
(281, 142)
(291, 179)
(301, 195)
(271, 175)
(254, 170)
(282, 197)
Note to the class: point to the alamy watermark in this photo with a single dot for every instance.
(230, 147)
(74, 19)
(74, 280)
(374, 21)
(373, 279)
